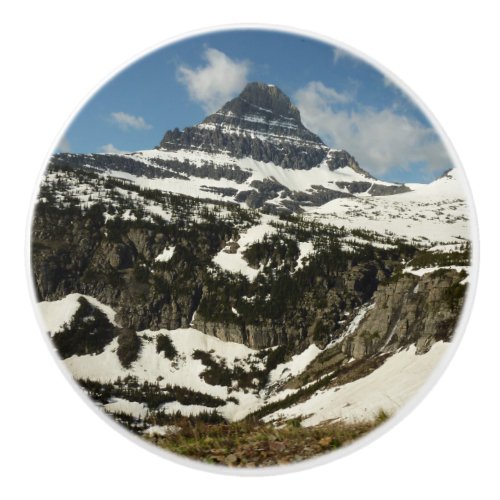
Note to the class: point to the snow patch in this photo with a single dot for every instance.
(388, 388)
(161, 430)
(235, 262)
(306, 248)
(119, 405)
(166, 255)
(296, 365)
(353, 325)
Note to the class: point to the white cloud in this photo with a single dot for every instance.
(339, 54)
(316, 94)
(110, 149)
(388, 82)
(380, 140)
(64, 146)
(126, 121)
(217, 81)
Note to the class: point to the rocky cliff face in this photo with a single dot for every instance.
(409, 310)
(73, 254)
(317, 317)
(79, 254)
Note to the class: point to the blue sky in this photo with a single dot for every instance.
(347, 102)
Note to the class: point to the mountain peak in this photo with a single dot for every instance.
(263, 124)
(263, 99)
(264, 110)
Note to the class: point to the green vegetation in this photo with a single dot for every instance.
(165, 345)
(454, 294)
(274, 251)
(129, 347)
(438, 259)
(255, 444)
(151, 394)
(215, 373)
(274, 357)
(218, 373)
(88, 332)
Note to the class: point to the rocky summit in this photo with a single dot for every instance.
(260, 123)
(243, 270)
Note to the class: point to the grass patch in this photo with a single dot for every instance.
(251, 443)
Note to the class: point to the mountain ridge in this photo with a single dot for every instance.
(261, 123)
(253, 151)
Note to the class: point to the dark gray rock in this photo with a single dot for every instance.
(121, 163)
(206, 170)
(409, 310)
(261, 123)
(382, 190)
(317, 196)
(354, 187)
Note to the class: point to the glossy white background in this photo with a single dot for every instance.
(54, 54)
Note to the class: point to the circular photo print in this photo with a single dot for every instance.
(252, 248)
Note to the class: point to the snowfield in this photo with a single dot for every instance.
(432, 213)
(387, 388)
(293, 179)
(306, 248)
(296, 365)
(119, 405)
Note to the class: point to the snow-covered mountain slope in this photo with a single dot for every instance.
(434, 214)
(255, 152)
(430, 213)
(385, 388)
(256, 170)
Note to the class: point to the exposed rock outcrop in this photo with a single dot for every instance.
(410, 310)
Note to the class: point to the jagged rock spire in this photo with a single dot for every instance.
(266, 112)
(263, 124)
